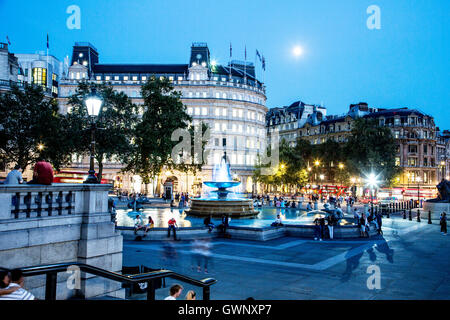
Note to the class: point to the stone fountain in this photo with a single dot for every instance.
(225, 201)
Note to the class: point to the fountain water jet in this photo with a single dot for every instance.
(222, 204)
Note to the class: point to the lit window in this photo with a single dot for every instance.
(180, 78)
(217, 112)
(171, 78)
(116, 78)
(107, 78)
(224, 112)
(240, 113)
(224, 127)
(217, 95)
(204, 94)
(97, 77)
(224, 95)
(125, 78)
(135, 78)
(144, 78)
(85, 63)
(197, 111)
(234, 113)
(217, 126)
(204, 111)
(190, 94)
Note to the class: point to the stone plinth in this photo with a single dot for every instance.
(436, 208)
(56, 224)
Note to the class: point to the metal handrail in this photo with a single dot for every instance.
(51, 271)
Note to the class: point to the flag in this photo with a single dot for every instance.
(47, 40)
(9, 42)
(245, 53)
(231, 51)
(264, 63)
(258, 55)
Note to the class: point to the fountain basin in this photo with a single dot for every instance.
(235, 208)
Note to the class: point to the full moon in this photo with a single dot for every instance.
(297, 51)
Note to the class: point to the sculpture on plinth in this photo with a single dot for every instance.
(444, 192)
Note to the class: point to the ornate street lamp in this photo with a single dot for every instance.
(93, 105)
(418, 180)
(372, 182)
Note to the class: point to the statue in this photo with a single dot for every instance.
(444, 192)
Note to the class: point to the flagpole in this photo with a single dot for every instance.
(46, 80)
(229, 62)
(245, 65)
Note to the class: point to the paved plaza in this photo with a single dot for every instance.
(413, 259)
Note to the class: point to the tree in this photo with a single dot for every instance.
(31, 126)
(371, 148)
(163, 114)
(115, 124)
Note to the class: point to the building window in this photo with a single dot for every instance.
(412, 149)
(135, 78)
(125, 78)
(116, 78)
(217, 112)
(217, 95)
(412, 162)
(397, 161)
(40, 76)
(107, 78)
(204, 111)
(224, 112)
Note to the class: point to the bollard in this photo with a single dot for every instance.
(418, 215)
(410, 215)
(404, 213)
(429, 217)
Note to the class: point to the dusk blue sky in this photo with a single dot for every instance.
(404, 64)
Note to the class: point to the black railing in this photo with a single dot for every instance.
(52, 270)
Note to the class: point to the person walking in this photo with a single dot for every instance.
(14, 177)
(443, 223)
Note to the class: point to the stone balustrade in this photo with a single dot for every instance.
(60, 223)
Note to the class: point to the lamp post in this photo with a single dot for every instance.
(372, 182)
(418, 180)
(93, 104)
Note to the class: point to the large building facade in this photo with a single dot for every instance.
(422, 151)
(229, 99)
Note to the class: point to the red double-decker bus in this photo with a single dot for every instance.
(66, 176)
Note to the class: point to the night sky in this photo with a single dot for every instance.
(406, 63)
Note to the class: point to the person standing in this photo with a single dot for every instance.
(330, 220)
(14, 177)
(172, 226)
(317, 230)
(379, 219)
(443, 222)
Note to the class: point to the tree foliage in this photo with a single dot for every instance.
(371, 148)
(31, 126)
(163, 113)
(115, 124)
